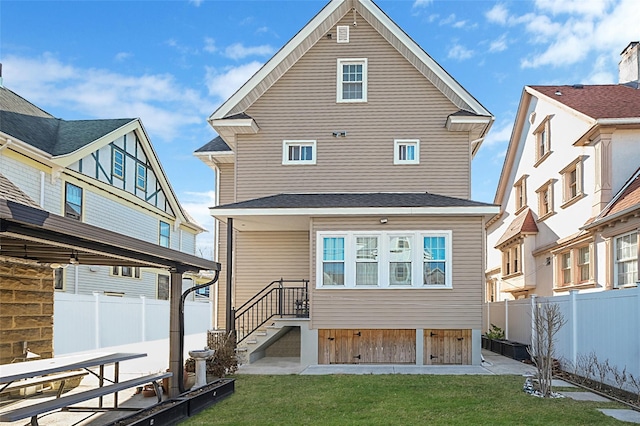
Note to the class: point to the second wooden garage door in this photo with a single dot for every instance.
(447, 347)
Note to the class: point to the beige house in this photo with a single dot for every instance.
(568, 191)
(343, 167)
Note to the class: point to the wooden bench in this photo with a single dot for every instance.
(35, 410)
(60, 377)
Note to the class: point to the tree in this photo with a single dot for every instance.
(547, 321)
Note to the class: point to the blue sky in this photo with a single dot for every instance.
(172, 63)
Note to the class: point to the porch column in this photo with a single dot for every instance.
(230, 322)
(174, 332)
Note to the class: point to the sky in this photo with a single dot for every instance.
(172, 63)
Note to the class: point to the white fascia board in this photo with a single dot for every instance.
(424, 57)
(359, 211)
(617, 121)
(275, 60)
(27, 149)
(560, 105)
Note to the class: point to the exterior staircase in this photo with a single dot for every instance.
(254, 346)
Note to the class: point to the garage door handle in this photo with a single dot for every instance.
(433, 356)
(433, 334)
(358, 356)
(357, 334)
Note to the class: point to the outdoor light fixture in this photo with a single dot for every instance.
(383, 220)
(74, 258)
(340, 133)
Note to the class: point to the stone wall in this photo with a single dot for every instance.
(26, 309)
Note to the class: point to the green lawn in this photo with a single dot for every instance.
(394, 400)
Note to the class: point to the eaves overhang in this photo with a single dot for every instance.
(228, 128)
(253, 219)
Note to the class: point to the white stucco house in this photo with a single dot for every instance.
(568, 191)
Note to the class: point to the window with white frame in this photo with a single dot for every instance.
(384, 259)
(572, 182)
(299, 152)
(141, 176)
(126, 271)
(543, 140)
(117, 166)
(626, 259)
(545, 200)
(406, 151)
(352, 80)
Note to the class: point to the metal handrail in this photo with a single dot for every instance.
(271, 301)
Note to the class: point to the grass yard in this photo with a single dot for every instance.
(394, 400)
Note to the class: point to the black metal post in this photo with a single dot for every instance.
(231, 326)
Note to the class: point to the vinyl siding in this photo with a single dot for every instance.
(263, 257)
(457, 308)
(402, 104)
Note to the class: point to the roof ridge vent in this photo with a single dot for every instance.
(578, 86)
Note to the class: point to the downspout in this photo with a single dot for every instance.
(181, 339)
(216, 246)
(42, 189)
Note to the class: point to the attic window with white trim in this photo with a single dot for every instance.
(117, 168)
(572, 182)
(406, 151)
(543, 140)
(352, 80)
(298, 152)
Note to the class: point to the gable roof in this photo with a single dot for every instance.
(10, 192)
(24, 121)
(216, 144)
(317, 28)
(523, 224)
(62, 142)
(625, 201)
(596, 101)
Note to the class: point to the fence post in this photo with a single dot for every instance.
(573, 301)
(96, 324)
(534, 335)
(143, 323)
(506, 319)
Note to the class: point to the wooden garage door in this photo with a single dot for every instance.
(362, 346)
(447, 347)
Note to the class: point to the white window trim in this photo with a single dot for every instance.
(520, 185)
(417, 258)
(546, 187)
(285, 151)
(143, 176)
(342, 33)
(576, 165)
(113, 165)
(396, 154)
(616, 261)
(343, 61)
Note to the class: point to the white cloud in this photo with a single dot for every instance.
(196, 3)
(422, 3)
(197, 205)
(497, 14)
(122, 56)
(460, 53)
(499, 134)
(448, 20)
(224, 84)
(239, 51)
(498, 45)
(209, 45)
(164, 106)
(574, 7)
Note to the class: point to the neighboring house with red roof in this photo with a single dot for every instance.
(345, 162)
(568, 190)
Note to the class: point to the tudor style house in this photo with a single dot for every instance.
(344, 165)
(100, 172)
(568, 193)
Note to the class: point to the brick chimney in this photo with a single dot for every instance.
(629, 66)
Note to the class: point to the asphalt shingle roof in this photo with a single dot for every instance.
(10, 192)
(24, 121)
(353, 200)
(216, 144)
(523, 224)
(597, 101)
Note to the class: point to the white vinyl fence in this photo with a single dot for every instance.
(605, 324)
(85, 323)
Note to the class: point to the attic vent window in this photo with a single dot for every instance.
(343, 34)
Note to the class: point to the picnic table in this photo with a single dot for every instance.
(29, 373)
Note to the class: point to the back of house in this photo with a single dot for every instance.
(344, 164)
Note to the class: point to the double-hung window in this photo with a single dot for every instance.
(117, 167)
(73, 201)
(141, 176)
(511, 260)
(521, 193)
(165, 234)
(384, 259)
(574, 267)
(543, 140)
(572, 182)
(352, 80)
(545, 200)
(299, 152)
(626, 259)
(406, 151)
(333, 261)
